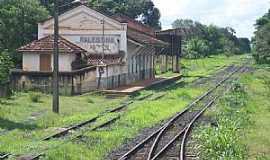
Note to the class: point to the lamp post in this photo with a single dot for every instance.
(55, 59)
(55, 106)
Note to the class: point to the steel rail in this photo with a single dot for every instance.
(4, 156)
(191, 124)
(84, 123)
(183, 131)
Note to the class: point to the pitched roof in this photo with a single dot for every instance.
(134, 24)
(46, 44)
(184, 32)
(82, 5)
(144, 38)
(136, 30)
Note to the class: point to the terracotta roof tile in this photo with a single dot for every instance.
(46, 45)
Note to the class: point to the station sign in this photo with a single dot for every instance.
(96, 44)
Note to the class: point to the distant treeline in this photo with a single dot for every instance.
(211, 40)
(261, 40)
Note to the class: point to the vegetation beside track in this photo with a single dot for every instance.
(223, 139)
(203, 67)
(257, 138)
(26, 118)
(241, 122)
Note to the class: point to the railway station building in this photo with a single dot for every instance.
(96, 51)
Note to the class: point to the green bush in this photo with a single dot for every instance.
(196, 48)
(222, 142)
(89, 100)
(35, 97)
(238, 96)
(261, 41)
(266, 81)
(5, 65)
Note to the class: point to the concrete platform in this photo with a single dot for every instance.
(138, 86)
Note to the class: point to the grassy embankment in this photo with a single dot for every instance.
(24, 122)
(258, 133)
(243, 122)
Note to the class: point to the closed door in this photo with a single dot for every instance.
(45, 62)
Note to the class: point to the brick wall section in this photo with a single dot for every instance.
(70, 83)
(5, 89)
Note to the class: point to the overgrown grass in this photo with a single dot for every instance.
(35, 97)
(257, 135)
(23, 122)
(203, 66)
(206, 66)
(243, 122)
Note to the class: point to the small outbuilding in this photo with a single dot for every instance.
(38, 55)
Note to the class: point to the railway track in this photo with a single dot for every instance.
(84, 126)
(189, 149)
(168, 141)
(119, 108)
(89, 122)
(4, 155)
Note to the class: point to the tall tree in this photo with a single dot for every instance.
(261, 40)
(184, 23)
(6, 64)
(65, 5)
(141, 10)
(151, 15)
(18, 22)
(244, 45)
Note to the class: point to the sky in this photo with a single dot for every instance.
(238, 14)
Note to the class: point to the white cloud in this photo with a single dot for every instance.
(239, 14)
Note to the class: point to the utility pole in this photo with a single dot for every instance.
(55, 59)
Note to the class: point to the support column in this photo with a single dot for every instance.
(177, 52)
(166, 62)
(163, 67)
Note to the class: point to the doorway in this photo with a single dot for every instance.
(45, 62)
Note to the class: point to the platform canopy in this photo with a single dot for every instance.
(145, 39)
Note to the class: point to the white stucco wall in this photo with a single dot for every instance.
(31, 62)
(112, 70)
(65, 61)
(85, 22)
